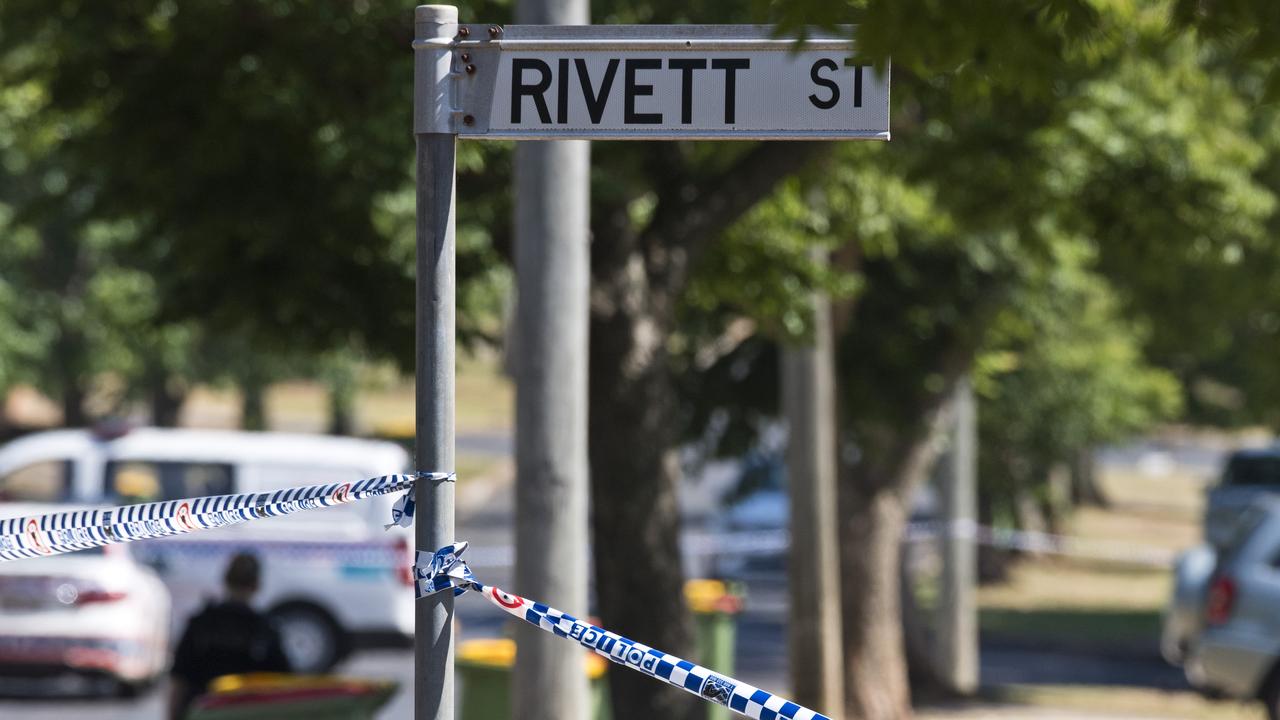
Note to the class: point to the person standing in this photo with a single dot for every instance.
(225, 638)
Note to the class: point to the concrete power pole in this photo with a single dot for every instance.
(957, 610)
(808, 399)
(553, 276)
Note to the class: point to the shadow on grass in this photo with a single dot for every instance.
(1112, 632)
(1075, 647)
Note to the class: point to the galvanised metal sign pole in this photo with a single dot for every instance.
(642, 82)
(433, 647)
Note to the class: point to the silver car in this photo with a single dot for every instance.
(1183, 619)
(1249, 475)
(1236, 651)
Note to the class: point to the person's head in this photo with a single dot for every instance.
(242, 576)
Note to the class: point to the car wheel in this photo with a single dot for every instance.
(129, 690)
(311, 639)
(1271, 695)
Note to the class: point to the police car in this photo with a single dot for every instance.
(333, 579)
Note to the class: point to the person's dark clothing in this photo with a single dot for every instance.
(226, 638)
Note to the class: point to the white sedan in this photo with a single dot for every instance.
(92, 619)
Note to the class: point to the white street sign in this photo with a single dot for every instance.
(659, 82)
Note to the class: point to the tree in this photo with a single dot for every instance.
(261, 187)
(946, 230)
(1061, 371)
(1212, 162)
(639, 270)
(18, 345)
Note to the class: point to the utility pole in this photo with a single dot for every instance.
(957, 610)
(808, 399)
(552, 252)
(434, 27)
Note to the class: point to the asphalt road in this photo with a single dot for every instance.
(761, 656)
(396, 665)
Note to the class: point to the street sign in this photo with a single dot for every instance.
(617, 82)
(657, 82)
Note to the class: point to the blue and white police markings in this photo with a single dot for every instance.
(78, 530)
(446, 571)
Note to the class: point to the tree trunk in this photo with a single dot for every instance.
(70, 353)
(875, 663)
(1085, 489)
(341, 410)
(1055, 496)
(167, 396)
(166, 407)
(253, 408)
(993, 562)
(6, 425)
(873, 516)
(918, 638)
(1027, 513)
(636, 523)
(73, 397)
(632, 421)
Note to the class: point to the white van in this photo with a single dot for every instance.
(333, 579)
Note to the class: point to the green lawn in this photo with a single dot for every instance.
(1075, 604)
(1135, 630)
(1130, 702)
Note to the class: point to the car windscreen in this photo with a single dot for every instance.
(1244, 526)
(48, 481)
(140, 481)
(1252, 471)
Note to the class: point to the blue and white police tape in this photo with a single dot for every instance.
(54, 533)
(445, 570)
(765, 543)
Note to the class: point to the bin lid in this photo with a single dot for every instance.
(280, 695)
(712, 596)
(501, 653)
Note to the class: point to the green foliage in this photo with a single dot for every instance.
(1249, 29)
(267, 199)
(1062, 369)
(1027, 46)
(1164, 165)
(258, 147)
(211, 191)
(19, 346)
(991, 213)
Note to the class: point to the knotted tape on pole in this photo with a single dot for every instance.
(444, 570)
(55, 533)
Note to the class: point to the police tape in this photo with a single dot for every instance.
(772, 542)
(55, 533)
(1045, 543)
(445, 570)
(768, 543)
